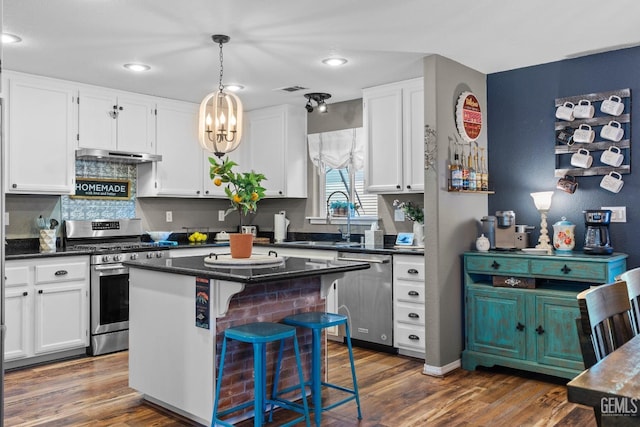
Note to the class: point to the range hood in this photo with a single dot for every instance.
(116, 156)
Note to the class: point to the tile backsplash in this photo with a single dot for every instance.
(89, 208)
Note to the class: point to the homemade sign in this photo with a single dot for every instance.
(203, 293)
(115, 189)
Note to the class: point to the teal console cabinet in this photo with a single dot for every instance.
(532, 329)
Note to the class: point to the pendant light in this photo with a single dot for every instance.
(220, 119)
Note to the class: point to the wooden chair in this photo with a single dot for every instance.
(605, 317)
(632, 277)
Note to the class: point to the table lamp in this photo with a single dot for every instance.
(542, 201)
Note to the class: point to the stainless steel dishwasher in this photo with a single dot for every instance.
(366, 297)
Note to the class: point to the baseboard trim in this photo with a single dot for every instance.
(440, 371)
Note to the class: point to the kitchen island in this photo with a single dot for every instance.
(180, 307)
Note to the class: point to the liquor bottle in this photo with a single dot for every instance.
(478, 170)
(472, 172)
(456, 172)
(485, 171)
(465, 172)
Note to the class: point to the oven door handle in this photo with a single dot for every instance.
(108, 267)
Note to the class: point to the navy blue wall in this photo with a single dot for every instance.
(521, 117)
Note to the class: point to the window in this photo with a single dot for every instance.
(340, 180)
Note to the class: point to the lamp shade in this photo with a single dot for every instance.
(220, 122)
(542, 200)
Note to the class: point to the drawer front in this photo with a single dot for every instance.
(570, 270)
(63, 272)
(410, 337)
(16, 276)
(409, 292)
(409, 313)
(409, 271)
(497, 265)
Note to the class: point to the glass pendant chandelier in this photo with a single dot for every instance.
(220, 119)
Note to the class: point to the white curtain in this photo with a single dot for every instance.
(338, 149)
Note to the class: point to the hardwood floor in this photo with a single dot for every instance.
(393, 391)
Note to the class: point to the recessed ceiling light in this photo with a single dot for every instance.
(233, 88)
(10, 38)
(137, 67)
(334, 62)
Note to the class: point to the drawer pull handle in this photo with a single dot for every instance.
(412, 271)
(61, 272)
(520, 326)
(414, 315)
(413, 293)
(25, 293)
(540, 330)
(495, 265)
(414, 337)
(565, 269)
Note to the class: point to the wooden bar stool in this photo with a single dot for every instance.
(317, 321)
(259, 334)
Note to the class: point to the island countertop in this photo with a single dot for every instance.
(291, 268)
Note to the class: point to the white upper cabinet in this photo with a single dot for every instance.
(40, 136)
(113, 120)
(393, 117)
(276, 146)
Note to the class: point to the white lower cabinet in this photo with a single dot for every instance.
(408, 305)
(46, 307)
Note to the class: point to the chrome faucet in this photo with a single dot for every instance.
(345, 236)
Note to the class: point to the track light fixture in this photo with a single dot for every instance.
(319, 98)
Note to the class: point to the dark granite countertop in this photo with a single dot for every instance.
(292, 268)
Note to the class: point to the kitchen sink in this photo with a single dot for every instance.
(339, 244)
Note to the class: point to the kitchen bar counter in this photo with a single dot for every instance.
(179, 309)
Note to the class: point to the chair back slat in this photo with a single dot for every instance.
(632, 277)
(605, 315)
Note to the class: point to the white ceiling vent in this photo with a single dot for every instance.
(290, 89)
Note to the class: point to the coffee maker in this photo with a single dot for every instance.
(596, 234)
(505, 230)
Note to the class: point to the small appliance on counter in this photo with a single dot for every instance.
(596, 236)
(503, 233)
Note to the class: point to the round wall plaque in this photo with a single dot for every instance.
(468, 116)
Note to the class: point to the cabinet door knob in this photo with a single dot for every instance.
(413, 293)
(61, 272)
(14, 185)
(495, 265)
(280, 192)
(412, 271)
(25, 293)
(40, 291)
(540, 330)
(408, 187)
(520, 326)
(197, 191)
(565, 269)
(398, 186)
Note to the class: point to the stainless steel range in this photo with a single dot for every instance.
(111, 242)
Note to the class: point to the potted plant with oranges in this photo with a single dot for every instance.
(244, 191)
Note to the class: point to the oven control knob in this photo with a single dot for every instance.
(158, 254)
(134, 256)
(117, 258)
(106, 258)
(149, 254)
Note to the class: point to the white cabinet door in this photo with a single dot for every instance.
(60, 317)
(113, 120)
(382, 119)
(136, 123)
(97, 119)
(40, 137)
(180, 173)
(413, 135)
(16, 341)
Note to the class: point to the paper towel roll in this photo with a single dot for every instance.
(280, 224)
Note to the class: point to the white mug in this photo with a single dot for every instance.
(565, 112)
(584, 134)
(612, 131)
(584, 110)
(612, 106)
(612, 157)
(582, 159)
(611, 183)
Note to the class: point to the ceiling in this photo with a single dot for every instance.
(280, 43)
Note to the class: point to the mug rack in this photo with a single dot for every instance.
(563, 152)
